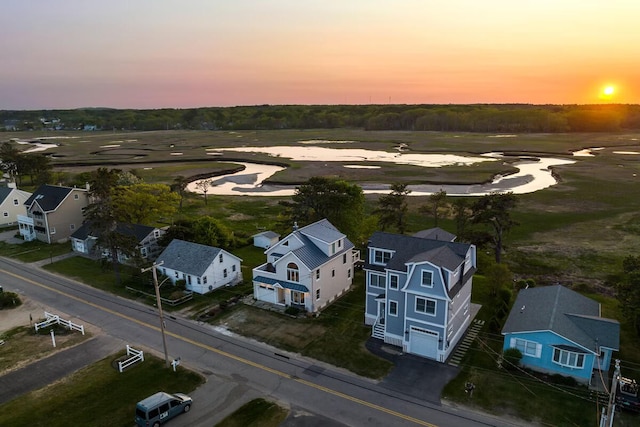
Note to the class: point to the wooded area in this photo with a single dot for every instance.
(463, 118)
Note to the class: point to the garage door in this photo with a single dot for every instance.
(423, 343)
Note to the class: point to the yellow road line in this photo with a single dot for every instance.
(229, 355)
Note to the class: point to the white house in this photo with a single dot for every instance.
(266, 239)
(12, 204)
(203, 268)
(308, 269)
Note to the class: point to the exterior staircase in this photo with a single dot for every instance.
(466, 342)
(378, 330)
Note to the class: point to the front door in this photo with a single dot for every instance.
(382, 307)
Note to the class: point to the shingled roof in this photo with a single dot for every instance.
(136, 230)
(187, 257)
(409, 249)
(564, 312)
(49, 197)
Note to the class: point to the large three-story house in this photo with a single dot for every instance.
(419, 291)
(307, 269)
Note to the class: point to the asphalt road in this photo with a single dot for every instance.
(237, 369)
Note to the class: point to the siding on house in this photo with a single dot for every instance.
(427, 282)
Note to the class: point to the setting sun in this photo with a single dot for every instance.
(609, 90)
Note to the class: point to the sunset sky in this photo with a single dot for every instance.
(196, 53)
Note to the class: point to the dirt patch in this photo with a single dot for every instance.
(19, 316)
(272, 328)
(24, 346)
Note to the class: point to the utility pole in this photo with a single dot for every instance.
(159, 303)
(606, 420)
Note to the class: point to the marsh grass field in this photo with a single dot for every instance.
(575, 233)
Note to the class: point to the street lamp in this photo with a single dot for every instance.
(159, 303)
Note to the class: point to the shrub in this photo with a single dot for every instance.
(292, 311)
(9, 300)
(512, 357)
(181, 284)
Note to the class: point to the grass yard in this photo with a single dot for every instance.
(66, 403)
(34, 250)
(257, 413)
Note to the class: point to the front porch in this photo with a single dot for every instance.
(26, 228)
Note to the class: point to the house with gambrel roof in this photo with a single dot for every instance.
(418, 291)
(203, 268)
(53, 213)
(307, 269)
(559, 331)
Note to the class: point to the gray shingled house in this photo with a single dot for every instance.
(560, 331)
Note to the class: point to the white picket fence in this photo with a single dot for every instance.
(136, 356)
(54, 318)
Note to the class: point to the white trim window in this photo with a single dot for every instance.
(526, 347)
(567, 358)
(427, 278)
(393, 281)
(393, 308)
(293, 274)
(381, 257)
(426, 306)
(317, 293)
(377, 280)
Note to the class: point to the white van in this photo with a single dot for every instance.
(161, 407)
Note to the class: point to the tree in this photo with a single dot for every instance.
(462, 215)
(392, 208)
(336, 200)
(102, 219)
(180, 186)
(144, 203)
(499, 276)
(435, 201)
(204, 186)
(494, 211)
(628, 291)
(8, 159)
(211, 232)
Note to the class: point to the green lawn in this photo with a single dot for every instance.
(34, 250)
(97, 395)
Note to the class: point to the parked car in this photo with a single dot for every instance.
(161, 407)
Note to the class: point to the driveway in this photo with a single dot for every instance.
(412, 375)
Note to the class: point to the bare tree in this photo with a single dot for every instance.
(204, 187)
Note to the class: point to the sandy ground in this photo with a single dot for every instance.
(19, 316)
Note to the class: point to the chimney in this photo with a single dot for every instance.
(87, 186)
(295, 225)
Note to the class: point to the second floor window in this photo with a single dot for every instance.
(378, 281)
(381, 257)
(293, 274)
(393, 281)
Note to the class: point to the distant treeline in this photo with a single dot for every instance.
(462, 118)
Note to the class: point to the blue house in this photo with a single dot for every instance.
(559, 331)
(419, 291)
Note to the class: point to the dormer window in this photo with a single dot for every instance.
(381, 257)
(427, 279)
